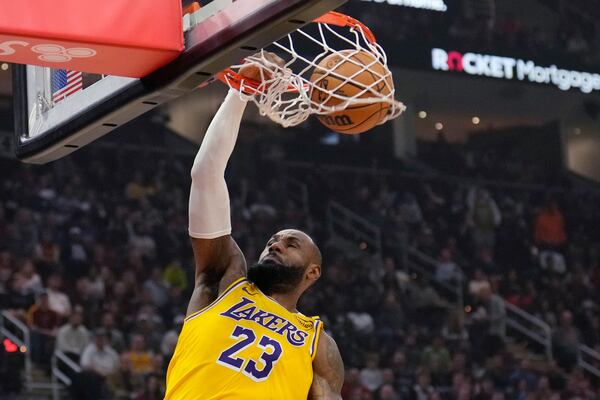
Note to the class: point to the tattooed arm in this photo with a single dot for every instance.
(328, 370)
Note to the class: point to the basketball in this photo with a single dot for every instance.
(329, 75)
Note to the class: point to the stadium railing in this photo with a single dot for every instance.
(59, 375)
(589, 360)
(520, 321)
(15, 330)
(426, 266)
(345, 224)
(530, 327)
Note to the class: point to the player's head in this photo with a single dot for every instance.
(290, 262)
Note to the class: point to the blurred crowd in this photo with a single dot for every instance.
(95, 258)
(572, 42)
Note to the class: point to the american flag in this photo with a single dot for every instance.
(65, 83)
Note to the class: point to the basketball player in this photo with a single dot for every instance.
(243, 337)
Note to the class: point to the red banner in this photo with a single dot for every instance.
(111, 37)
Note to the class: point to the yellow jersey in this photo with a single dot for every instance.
(244, 346)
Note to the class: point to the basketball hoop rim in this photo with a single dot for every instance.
(236, 81)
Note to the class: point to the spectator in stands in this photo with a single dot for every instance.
(120, 382)
(484, 388)
(371, 377)
(19, 295)
(26, 233)
(152, 389)
(543, 390)
(428, 305)
(565, 342)
(157, 288)
(391, 319)
(495, 312)
(32, 283)
(138, 188)
(436, 359)
(549, 227)
(403, 372)
(454, 331)
(361, 320)
(488, 323)
(99, 362)
(140, 239)
(410, 211)
(550, 237)
(479, 279)
(57, 299)
(483, 216)
(74, 254)
(139, 359)
(579, 386)
(47, 255)
(446, 269)
(169, 340)
(175, 276)
(351, 382)
(422, 389)
(72, 338)
(18, 298)
(149, 326)
(387, 392)
(44, 323)
(522, 377)
(114, 335)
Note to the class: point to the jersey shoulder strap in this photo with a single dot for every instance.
(235, 284)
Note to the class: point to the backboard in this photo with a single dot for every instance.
(58, 111)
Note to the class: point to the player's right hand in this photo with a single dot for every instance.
(253, 69)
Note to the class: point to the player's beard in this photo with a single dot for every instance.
(271, 277)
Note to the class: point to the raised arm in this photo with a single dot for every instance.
(219, 261)
(328, 371)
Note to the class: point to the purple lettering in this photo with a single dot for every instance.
(274, 323)
(297, 338)
(246, 309)
(235, 309)
(246, 313)
(260, 316)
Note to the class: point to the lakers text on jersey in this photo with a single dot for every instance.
(244, 346)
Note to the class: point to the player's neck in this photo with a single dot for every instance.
(289, 301)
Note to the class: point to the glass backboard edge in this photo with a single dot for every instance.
(195, 66)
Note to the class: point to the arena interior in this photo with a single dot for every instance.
(461, 241)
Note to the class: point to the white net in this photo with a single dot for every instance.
(289, 92)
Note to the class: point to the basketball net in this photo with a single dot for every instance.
(284, 92)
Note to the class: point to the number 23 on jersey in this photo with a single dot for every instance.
(257, 370)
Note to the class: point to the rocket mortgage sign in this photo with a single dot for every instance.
(513, 69)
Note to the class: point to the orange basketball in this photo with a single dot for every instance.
(329, 75)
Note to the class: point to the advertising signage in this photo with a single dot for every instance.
(433, 5)
(513, 69)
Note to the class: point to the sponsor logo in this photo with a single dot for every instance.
(47, 52)
(433, 5)
(307, 324)
(512, 68)
(337, 120)
(251, 292)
